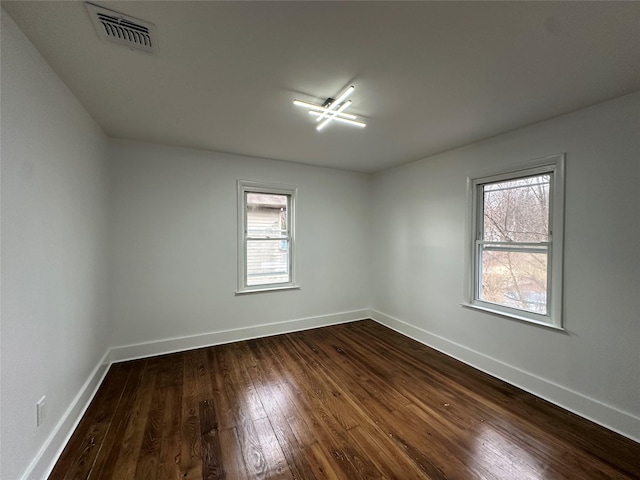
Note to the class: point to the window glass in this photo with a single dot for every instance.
(267, 239)
(515, 279)
(517, 210)
(513, 270)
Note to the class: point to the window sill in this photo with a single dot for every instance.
(521, 318)
(264, 289)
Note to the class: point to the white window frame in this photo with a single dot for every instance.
(245, 187)
(555, 165)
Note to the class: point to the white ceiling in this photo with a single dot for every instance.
(429, 76)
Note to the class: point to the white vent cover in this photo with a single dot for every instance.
(118, 28)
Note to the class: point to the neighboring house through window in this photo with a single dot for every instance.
(266, 244)
(515, 264)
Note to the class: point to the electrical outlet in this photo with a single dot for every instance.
(41, 410)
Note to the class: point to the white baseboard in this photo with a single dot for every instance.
(179, 344)
(44, 461)
(614, 419)
(605, 415)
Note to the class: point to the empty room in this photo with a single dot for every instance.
(319, 240)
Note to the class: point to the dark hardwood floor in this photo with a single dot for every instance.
(353, 401)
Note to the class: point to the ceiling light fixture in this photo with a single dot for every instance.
(332, 110)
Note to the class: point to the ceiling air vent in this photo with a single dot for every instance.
(118, 28)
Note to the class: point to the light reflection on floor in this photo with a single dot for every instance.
(273, 397)
(500, 458)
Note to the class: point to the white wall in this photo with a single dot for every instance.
(419, 225)
(54, 250)
(174, 242)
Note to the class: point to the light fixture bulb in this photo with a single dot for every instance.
(340, 98)
(331, 116)
(332, 110)
(342, 120)
(320, 109)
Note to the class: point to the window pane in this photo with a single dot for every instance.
(517, 210)
(515, 279)
(267, 262)
(266, 215)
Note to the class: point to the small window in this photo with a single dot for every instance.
(516, 246)
(266, 246)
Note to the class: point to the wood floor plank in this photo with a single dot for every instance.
(80, 455)
(127, 408)
(328, 423)
(243, 384)
(301, 417)
(380, 416)
(506, 408)
(351, 401)
(254, 459)
(171, 435)
(190, 451)
(212, 466)
(232, 458)
(125, 465)
(377, 410)
(270, 370)
(390, 460)
(149, 457)
(281, 416)
(374, 408)
(439, 420)
(328, 400)
(244, 403)
(277, 467)
(224, 410)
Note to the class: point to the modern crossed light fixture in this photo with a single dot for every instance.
(332, 110)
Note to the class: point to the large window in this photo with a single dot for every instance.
(516, 245)
(266, 244)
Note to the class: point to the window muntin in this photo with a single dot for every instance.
(516, 260)
(266, 240)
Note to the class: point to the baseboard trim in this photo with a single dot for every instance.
(46, 458)
(44, 461)
(605, 415)
(180, 344)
